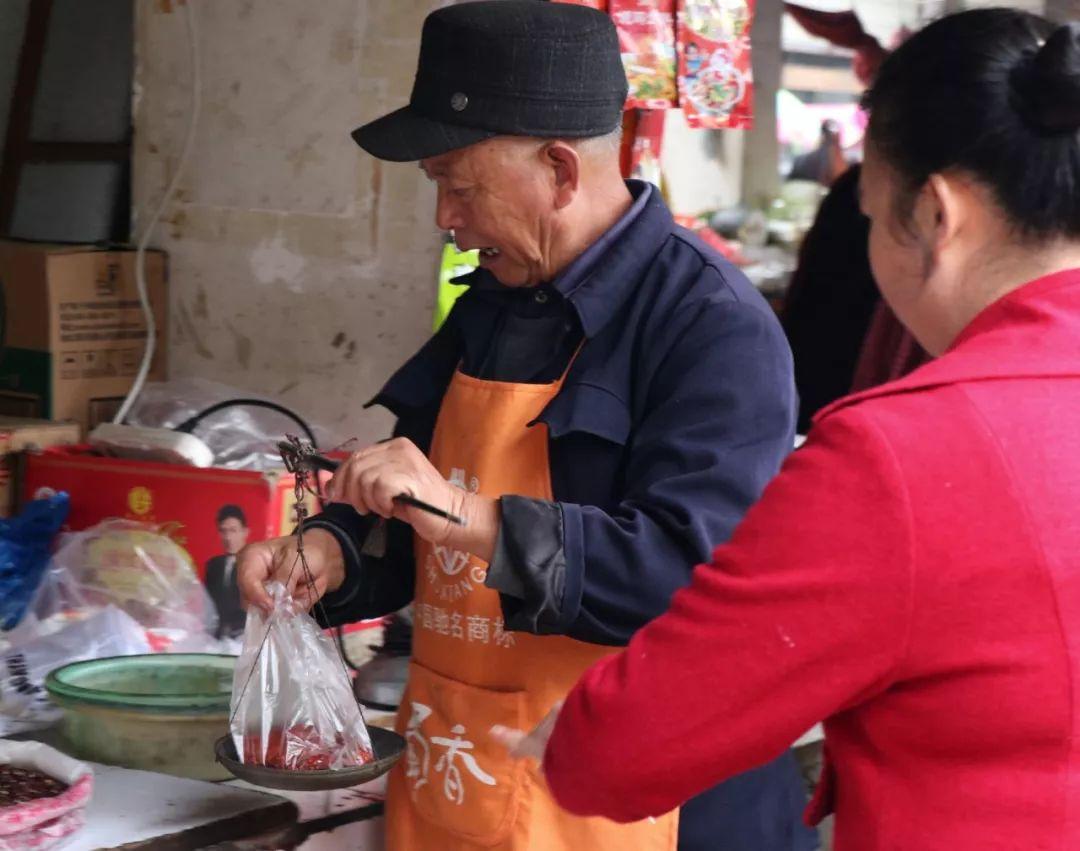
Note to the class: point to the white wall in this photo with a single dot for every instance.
(300, 267)
(702, 168)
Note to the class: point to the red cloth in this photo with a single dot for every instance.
(911, 577)
(844, 29)
(889, 351)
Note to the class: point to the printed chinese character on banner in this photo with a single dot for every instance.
(453, 787)
(442, 621)
(418, 757)
(479, 628)
(501, 637)
(460, 479)
(417, 750)
(456, 630)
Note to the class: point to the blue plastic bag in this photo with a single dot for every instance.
(25, 545)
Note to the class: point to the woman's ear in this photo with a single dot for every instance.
(938, 217)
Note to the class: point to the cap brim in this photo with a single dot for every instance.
(404, 136)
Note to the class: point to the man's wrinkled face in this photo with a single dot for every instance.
(234, 535)
(497, 196)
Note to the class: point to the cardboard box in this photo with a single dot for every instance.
(19, 435)
(74, 331)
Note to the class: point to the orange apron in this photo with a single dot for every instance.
(457, 788)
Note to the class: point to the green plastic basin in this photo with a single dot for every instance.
(156, 713)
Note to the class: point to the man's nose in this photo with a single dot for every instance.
(447, 215)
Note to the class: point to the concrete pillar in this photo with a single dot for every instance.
(761, 176)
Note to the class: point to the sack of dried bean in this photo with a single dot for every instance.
(43, 796)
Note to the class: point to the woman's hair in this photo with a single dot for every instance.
(994, 93)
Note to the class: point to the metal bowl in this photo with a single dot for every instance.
(388, 747)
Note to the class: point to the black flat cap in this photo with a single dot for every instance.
(505, 68)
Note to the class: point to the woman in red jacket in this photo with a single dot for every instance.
(913, 574)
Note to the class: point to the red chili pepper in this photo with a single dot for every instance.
(298, 748)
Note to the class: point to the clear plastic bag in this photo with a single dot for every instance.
(134, 567)
(24, 703)
(292, 702)
(241, 437)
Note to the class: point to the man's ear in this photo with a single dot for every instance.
(564, 164)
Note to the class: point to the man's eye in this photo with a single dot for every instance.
(460, 193)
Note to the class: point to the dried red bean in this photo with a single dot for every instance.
(19, 785)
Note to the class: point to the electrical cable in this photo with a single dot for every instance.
(144, 240)
(188, 425)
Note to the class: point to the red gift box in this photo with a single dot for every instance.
(183, 502)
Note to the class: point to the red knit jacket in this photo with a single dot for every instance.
(912, 576)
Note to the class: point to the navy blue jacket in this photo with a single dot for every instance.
(678, 410)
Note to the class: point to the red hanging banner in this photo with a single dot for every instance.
(599, 5)
(716, 87)
(647, 43)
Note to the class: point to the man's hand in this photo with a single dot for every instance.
(524, 745)
(277, 560)
(371, 478)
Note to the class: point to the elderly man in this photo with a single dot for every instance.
(601, 406)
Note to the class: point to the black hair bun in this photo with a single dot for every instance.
(1047, 84)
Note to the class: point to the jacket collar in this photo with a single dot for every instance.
(600, 280)
(1034, 331)
(596, 285)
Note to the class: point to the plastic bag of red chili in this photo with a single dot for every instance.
(292, 704)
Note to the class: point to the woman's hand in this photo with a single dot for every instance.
(532, 745)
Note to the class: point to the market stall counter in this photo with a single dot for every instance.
(141, 809)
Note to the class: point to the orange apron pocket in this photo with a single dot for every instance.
(460, 780)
